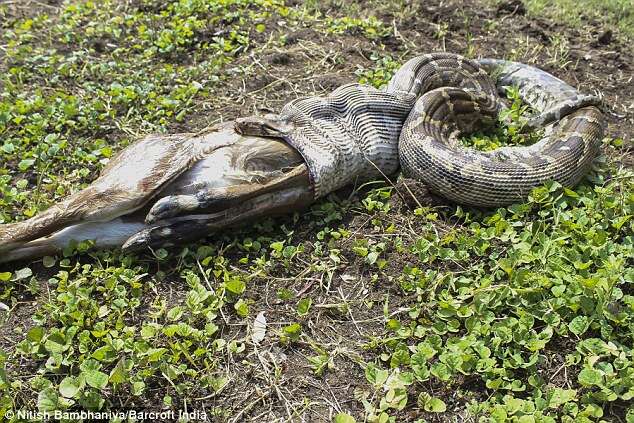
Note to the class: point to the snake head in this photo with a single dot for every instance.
(269, 125)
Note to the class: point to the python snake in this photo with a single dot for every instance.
(163, 190)
(359, 132)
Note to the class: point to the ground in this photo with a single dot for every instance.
(371, 305)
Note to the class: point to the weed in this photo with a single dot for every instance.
(523, 313)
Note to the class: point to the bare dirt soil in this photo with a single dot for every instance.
(315, 63)
(271, 382)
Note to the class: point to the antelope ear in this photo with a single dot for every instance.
(269, 125)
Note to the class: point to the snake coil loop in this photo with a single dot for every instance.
(359, 132)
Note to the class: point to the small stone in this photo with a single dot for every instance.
(278, 58)
(331, 82)
(99, 46)
(605, 37)
(302, 34)
(511, 7)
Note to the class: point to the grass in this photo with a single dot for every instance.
(617, 14)
(364, 308)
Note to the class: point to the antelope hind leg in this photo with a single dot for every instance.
(221, 198)
(184, 229)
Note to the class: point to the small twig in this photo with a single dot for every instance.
(557, 372)
(249, 407)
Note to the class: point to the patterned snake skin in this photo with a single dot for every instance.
(358, 132)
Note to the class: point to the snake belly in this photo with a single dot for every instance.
(358, 132)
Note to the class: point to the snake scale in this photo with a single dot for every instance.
(359, 132)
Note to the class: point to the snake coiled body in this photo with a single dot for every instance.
(359, 132)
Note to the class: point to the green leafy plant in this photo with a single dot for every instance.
(380, 74)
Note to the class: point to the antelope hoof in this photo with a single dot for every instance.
(172, 206)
